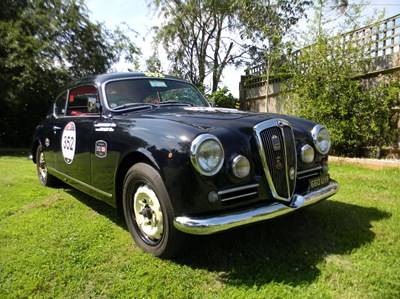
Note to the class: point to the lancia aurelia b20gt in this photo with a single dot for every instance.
(152, 145)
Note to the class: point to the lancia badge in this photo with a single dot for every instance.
(276, 143)
(278, 164)
(291, 173)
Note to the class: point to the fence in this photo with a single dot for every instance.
(379, 41)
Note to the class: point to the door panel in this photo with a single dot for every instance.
(72, 141)
(105, 154)
(73, 147)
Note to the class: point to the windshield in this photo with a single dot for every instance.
(140, 92)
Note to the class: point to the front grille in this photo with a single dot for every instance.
(278, 154)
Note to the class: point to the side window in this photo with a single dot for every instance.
(83, 100)
(59, 105)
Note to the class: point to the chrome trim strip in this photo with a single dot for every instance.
(286, 165)
(236, 189)
(301, 172)
(238, 196)
(307, 176)
(211, 224)
(65, 177)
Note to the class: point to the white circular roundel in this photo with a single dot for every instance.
(68, 142)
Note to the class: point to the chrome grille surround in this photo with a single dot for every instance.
(279, 161)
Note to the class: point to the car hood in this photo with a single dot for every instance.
(209, 117)
(213, 118)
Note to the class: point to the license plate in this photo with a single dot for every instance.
(320, 181)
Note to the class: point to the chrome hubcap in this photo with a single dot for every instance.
(42, 166)
(148, 212)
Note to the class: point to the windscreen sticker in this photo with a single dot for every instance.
(157, 83)
(68, 141)
(101, 148)
(156, 75)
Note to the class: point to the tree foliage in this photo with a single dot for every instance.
(223, 98)
(327, 85)
(44, 44)
(203, 37)
(153, 63)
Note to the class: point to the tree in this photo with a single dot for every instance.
(271, 44)
(202, 37)
(327, 86)
(334, 17)
(153, 63)
(223, 98)
(44, 44)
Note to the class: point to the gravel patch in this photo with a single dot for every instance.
(369, 163)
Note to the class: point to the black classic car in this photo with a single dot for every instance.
(153, 146)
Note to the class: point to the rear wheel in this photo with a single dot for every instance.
(45, 178)
(149, 213)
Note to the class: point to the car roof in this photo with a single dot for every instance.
(101, 78)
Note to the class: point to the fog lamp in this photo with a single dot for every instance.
(307, 153)
(241, 166)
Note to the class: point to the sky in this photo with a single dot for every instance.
(136, 14)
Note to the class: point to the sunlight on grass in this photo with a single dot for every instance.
(62, 243)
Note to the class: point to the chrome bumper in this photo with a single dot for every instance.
(209, 225)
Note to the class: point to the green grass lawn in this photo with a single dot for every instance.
(60, 243)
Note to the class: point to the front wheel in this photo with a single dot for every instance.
(149, 213)
(45, 178)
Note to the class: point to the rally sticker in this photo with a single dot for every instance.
(101, 148)
(156, 75)
(68, 141)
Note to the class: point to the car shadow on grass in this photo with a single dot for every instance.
(287, 249)
(97, 205)
(284, 250)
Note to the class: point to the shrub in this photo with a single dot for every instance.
(223, 98)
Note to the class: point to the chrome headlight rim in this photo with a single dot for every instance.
(194, 151)
(315, 136)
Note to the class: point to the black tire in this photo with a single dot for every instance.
(45, 178)
(149, 213)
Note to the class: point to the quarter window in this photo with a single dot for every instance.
(83, 100)
(59, 105)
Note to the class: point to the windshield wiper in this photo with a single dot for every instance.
(133, 106)
(175, 103)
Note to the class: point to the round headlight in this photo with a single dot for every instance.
(307, 153)
(241, 166)
(207, 154)
(322, 139)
